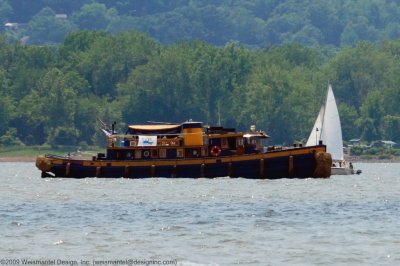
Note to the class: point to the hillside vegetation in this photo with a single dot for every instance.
(256, 23)
(54, 94)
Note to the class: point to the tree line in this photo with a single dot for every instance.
(256, 23)
(54, 94)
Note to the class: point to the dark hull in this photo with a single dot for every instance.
(292, 163)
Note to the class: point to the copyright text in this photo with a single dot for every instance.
(93, 262)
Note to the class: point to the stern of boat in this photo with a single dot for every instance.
(323, 163)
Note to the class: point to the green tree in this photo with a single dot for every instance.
(230, 69)
(358, 71)
(45, 27)
(94, 16)
(5, 113)
(360, 30)
(5, 12)
(90, 109)
(391, 127)
(325, 17)
(154, 90)
(348, 117)
(51, 105)
(123, 23)
(61, 136)
(110, 60)
(10, 138)
(24, 10)
(25, 65)
(6, 102)
(81, 41)
(279, 97)
(371, 116)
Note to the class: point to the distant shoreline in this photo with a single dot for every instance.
(356, 159)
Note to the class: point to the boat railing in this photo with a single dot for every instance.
(53, 156)
(133, 140)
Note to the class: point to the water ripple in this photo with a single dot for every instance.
(351, 220)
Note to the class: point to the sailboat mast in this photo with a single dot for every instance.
(323, 115)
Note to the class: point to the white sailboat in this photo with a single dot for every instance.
(327, 129)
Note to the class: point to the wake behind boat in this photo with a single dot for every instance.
(327, 128)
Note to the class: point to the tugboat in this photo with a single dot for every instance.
(190, 150)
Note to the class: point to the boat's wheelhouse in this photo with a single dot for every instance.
(181, 141)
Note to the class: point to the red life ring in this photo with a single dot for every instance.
(215, 151)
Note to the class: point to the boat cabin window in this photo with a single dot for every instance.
(256, 142)
(252, 141)
(240, 141)
(215, 142)
(163, 153)
(204, 151)
(128, 155)
(232, 143)
(224, 143)
(179, 153)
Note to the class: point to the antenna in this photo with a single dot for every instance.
(219, 113)
(113, 126)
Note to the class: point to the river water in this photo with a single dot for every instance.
(343, 220)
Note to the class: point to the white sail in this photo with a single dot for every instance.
(315, 134)
(331, 133)
(327, 128)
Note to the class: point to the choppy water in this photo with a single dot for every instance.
(344, 220)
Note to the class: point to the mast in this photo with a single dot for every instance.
(323, 114)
